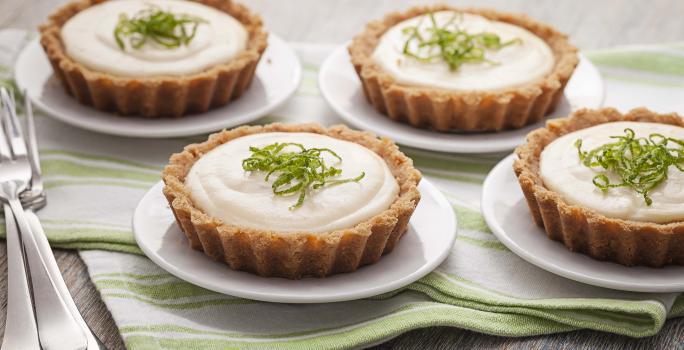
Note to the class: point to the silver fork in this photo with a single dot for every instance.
(35, 199)
(21, 331)
(57, 328)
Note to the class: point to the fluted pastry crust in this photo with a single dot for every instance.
(584, 230)
(298, 254)
(160, 96)
(446, 110)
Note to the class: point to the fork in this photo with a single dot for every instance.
(21, 332)
(35, 199)
(57, 328)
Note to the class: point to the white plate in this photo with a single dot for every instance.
(341, 87)
(427, 243)
(277, 77)
(505, 211)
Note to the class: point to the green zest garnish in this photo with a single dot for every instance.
(641, 163)
(165, 28)
(450, 43)
(296, 171)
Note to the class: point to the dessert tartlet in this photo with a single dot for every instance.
(234, 197)
(154, 58)
(453, 69)
(609, 185)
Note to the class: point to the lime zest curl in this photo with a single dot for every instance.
(642, 163)
(454, 45)
(296, 171)
(165, 28)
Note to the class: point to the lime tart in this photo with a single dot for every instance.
(154, 58)
(292, 200)
(609, 185)
(454, 69)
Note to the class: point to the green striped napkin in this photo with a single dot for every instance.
(95, 181)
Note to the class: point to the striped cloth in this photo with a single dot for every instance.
(94, 182)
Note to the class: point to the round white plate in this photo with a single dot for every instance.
(505, 211)
(341, 87)
(427, 243)
(277, 77)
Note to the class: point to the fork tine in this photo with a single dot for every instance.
(32, 143)
(5, 153)
(15, 138)
(7, 99)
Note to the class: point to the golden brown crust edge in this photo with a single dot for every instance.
(301, 254)
(154, 97)
(445, 110)
(583, 230)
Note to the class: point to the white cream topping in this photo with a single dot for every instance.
(563, 173)
(219, 186)
(88, 38)
(515, 64)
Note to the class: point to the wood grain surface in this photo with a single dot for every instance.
(591, 24)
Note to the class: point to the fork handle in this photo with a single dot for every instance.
(21, 331)
(57, 328)
(44, 246)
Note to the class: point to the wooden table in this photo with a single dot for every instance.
(591, 24)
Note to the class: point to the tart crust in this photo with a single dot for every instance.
(159, 96)
(446, 110)
(581, 229)
(298, 254)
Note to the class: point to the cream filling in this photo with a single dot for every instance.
(221, 188)
(88, 38)
(563, 173)
(515, 64)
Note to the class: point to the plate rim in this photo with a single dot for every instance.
(327, 65)
(578, 276)
(151, 132)
(424, 270)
